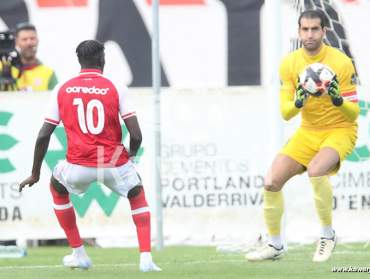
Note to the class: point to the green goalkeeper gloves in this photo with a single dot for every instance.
(334, 93)
(300, 97)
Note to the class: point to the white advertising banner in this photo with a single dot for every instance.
(216, 150)
(203, 43)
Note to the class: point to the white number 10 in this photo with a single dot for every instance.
(86, 120)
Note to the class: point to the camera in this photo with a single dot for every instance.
(7, 42)
(9, 58)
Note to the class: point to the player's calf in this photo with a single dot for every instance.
(141, 217)
(65, 214)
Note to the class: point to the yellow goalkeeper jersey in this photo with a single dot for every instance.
(319, 112)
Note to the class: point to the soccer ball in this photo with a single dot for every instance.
(316, 78)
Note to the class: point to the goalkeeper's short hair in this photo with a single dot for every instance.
(314, 14)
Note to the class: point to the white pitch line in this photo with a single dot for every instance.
(116, 265)
(20, 267)
(350, 252)
(29, 267)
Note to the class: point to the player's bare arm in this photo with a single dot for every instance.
(134, 130)
(42, 144)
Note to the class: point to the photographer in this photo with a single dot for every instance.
(19, 67)
(34, 76)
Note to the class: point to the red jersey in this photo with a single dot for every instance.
(90, 107)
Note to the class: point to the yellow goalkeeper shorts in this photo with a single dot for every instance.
(305, 144)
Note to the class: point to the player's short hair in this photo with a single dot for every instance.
(90, 53)
(24, 26)
(314, 14)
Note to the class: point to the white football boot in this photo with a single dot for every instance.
(324, 249)
(147, 264)
(74, 261)
(266, 252)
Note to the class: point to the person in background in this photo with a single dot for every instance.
(34, 75)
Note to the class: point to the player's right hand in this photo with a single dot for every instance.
(29, 181)
(300, 97)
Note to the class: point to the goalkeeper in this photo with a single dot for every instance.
(327, 134)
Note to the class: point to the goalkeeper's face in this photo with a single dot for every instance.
(311, 34)
(27, 42)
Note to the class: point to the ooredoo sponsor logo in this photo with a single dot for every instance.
(87, 90)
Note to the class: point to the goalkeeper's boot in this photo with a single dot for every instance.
(147, 264)
(266, 252)
(324, 249)
(77, 261)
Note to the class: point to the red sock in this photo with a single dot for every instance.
(65, 213)
(141, 216)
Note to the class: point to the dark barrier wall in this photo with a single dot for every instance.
(13, 12)
(120, 21)
(243, 28)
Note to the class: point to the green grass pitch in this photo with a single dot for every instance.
(187, 262)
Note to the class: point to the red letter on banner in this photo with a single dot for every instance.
(178, 2)
(61, 3)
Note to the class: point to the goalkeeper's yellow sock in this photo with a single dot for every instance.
(323, 196)
(273, 208)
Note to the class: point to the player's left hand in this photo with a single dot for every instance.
(334, 92)
(29, 181)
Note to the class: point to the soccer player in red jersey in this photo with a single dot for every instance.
(90, 105)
